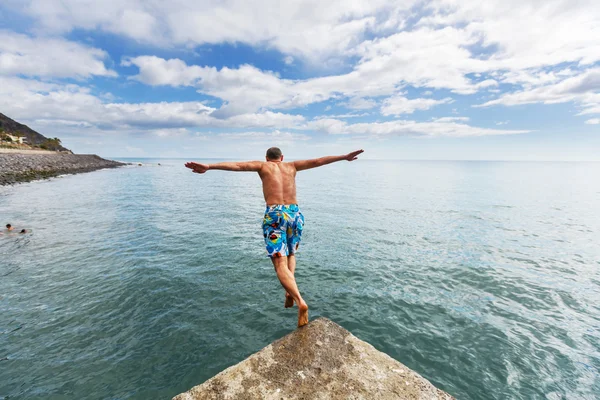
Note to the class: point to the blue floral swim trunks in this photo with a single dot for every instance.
(282, 229)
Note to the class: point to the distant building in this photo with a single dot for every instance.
(17, 139)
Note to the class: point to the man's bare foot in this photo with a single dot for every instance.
(289, 300)
(302, 314)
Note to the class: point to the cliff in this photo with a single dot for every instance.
(35, 139)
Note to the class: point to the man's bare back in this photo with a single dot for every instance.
(283, 222)
(279, 182)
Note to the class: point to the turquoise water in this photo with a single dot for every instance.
(141, 282)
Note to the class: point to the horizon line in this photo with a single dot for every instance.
(364, 159)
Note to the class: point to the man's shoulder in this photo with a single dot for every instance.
(290, 165)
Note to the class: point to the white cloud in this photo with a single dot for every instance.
(359, 103)
(310, 28)
(591, 107)
(158, 71)
(526, 34)
(244, 89)
(49, 57)
(593, 121)
(71, 108)
(434, 58)
(450, 39)
(338, 116)
(463, 47)
(132, 18)
(275, 135)
(545, 52)
(267, 119)
(451, 119)
(398, 105)
(75, 106)
(247, 89)
(175, 132)
(583, 88)
(449, 128)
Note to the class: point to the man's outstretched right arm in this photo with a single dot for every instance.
(318, 162)
(238, 166)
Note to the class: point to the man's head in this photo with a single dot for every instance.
(9, 227)
(274, 154)
(23, 230)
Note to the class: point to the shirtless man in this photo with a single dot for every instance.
(283, 222)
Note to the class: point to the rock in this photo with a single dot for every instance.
(319, 361)
(24, 167)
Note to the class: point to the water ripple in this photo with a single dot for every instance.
(142, 282)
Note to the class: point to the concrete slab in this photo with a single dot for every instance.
(319, 361)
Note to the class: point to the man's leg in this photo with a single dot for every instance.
(289, 284)
(291, 263)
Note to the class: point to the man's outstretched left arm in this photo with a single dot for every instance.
(237, 166)
(301, 165)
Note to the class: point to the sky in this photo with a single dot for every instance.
(433, 80)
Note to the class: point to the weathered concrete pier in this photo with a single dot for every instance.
(319, 361)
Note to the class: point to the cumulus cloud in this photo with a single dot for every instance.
(338, 116)
(403, 127)
(243, 89)
(76, 106)
(49, 57)
(583, 88)
(365, 54)
(463, 47)
(310, 28)
(451, 119)
(247, 89)
(398, 105)
(158, 71)
(359, 103)
(175, 132)
(525, 34)
(273, 136)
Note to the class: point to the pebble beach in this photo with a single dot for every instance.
(25, 166)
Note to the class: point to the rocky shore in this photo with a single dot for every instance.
(24, 167)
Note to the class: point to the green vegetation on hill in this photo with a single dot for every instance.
(51, 144)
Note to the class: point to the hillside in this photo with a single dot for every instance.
(34, 139)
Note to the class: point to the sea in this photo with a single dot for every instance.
(144, 281)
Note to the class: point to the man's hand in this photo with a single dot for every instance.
(197, 167)
(354, 155)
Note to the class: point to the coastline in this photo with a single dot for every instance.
(26, 166)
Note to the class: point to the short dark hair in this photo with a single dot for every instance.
(8, 225)
(274, 153)
(23, 231)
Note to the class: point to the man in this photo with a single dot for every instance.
(283, 222)
(9, 227)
